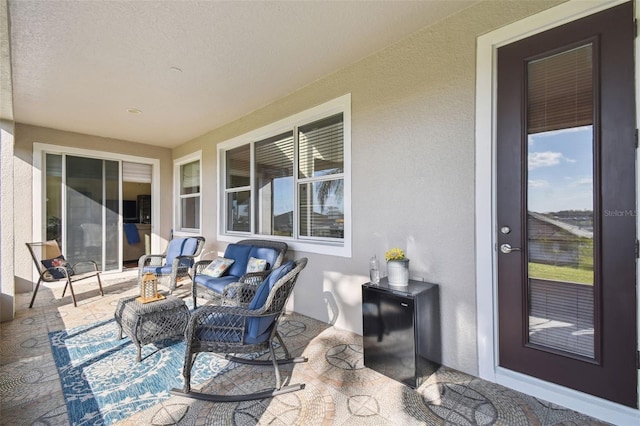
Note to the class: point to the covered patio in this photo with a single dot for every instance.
(343, 129)
(339, 388)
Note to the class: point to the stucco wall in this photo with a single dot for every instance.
(26, 136)
(412, 170)
(7, 289)
(7, 300)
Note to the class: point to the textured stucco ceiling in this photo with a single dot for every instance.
(79, 65)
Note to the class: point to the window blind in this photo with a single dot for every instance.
(321, 147)
(136, 172)
(560, 91)
(238, 167)
(190, 178)
(274, 156)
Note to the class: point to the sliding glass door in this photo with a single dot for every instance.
(83, 208)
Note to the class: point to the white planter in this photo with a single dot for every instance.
(398, 272)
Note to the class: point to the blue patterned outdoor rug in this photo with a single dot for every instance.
(101, 381)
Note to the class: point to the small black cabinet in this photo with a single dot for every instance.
(401, 330)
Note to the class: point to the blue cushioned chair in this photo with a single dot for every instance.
(175, 262)
(213, 288)
(234, 330)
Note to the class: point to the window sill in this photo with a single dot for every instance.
(342, 249)
(187, 233)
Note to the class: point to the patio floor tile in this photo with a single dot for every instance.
(339, 389)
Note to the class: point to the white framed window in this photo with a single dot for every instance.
(188, 184)
(291, 180)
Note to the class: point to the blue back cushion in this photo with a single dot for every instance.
(181, 247)
(240, 253)
(258, 325)
(267, 253)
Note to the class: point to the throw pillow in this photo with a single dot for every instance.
(256, 265)
(217, 267)
(54, 263)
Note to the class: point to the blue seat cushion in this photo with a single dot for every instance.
(240, 253)
(215, 284)
(259, 325)
(181, 247)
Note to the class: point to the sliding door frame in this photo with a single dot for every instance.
(38, 181)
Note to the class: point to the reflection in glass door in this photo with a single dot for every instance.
(560, 198)
(80, 212)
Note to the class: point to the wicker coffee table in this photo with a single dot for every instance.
(149, 322)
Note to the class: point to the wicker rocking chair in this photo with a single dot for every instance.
(247, 328)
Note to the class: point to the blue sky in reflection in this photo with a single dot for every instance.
(561, 170)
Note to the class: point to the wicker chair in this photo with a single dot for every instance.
(213, 289)
(244, 329)
(175, 262)
(52, 267)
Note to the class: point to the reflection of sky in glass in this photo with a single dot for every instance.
(282, 195)
(561, 170)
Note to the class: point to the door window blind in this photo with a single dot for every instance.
(560, 91)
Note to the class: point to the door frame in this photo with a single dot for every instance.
(39, 149)
(485, 205)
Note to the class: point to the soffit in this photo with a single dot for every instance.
(79, 65)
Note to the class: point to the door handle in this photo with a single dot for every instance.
(506, 248)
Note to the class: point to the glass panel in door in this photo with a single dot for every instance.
(112, 216)
(53, 198)
(560, 202)
(90, 232)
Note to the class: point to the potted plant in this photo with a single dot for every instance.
(397, 267)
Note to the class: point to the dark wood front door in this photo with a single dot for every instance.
(566, 206)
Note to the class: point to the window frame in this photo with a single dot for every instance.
(320, 245)
(178, 197)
